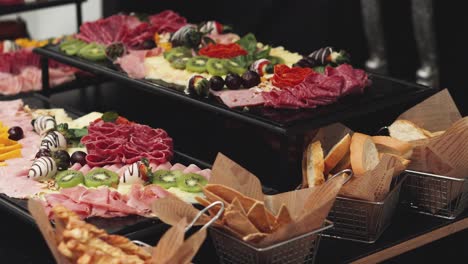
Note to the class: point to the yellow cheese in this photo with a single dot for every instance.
(289, 57)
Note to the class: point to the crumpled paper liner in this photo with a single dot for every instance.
(308, 208)
(172, 247)
(446, 154)
(375, 184)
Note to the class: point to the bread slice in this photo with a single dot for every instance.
(435, 134)
(345, 163)
(363, 153)
(393, 146)
(404, 162)
(337, 153)
(314, 164)
(405, 130)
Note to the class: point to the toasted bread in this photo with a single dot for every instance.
(337, 153)
(314, 164)
(363, 153)
(345, 163)
(404, 162)
(393, 146)
(435, 134)
(405, 130)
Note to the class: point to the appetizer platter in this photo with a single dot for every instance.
(20, 70)
(209, 66)
(47, 155)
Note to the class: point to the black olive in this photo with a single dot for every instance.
(233, 81)
(216, 83)
(250, 79)
(62, 159)
(15, 133)
(78, 157)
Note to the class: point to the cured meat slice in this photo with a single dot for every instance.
(205, 173)
(167, 21)
(319, 89)
(178, 166)
(192, 168)
(110, 143)
(117, 28)
(238, 98)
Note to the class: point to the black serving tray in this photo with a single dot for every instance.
(131, 226)
(384, 93)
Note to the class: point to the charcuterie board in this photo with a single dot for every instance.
(383, 93)
(121, 225)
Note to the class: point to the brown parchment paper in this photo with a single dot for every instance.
(375, 184)
(446, 154)
(307, 207)
(436, 113)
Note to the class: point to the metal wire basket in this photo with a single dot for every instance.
(363, 221)
(192, 223)
(436, 195)
(301, 249)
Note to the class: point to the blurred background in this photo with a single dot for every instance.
(306, 25)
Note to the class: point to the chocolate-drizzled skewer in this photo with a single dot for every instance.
(42, 168)
(54, 141)
(44, 124)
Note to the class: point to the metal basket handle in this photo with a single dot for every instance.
(381, 129)
(216, 217)
(202, 212)
(140, 243)
(347, 171)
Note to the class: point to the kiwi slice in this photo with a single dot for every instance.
(191, 182)
(166, 178)
(99, 176)
(177, 52)
(69, 178)
(216, 67)
(234, 67)
(197, 64)
(275, 60)
(180, 63)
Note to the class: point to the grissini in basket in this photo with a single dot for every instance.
(251, 216)
(75, 241)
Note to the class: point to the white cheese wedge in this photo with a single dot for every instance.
(59, 113)
(84, 120)
(186, 196)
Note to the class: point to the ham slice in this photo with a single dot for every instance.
(177, 166)
(205, 173)
(240, 98)
(192, 168)
(76, 167)
(133, 62)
